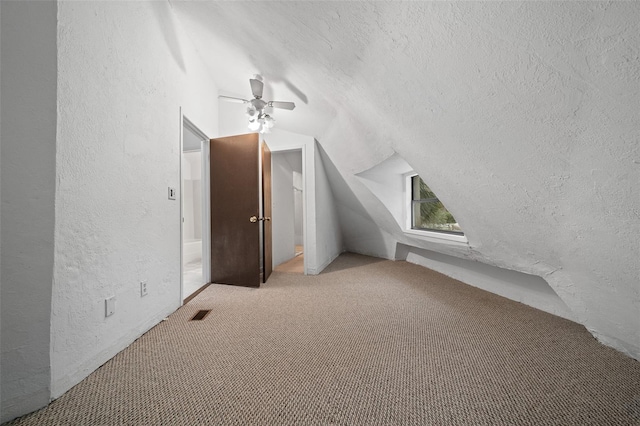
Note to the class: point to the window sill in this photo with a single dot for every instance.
(438, 237)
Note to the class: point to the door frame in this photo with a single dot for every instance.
(305, 209)
(266, 208)
(206, 214)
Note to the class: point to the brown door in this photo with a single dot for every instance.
(235, 228)
(267, 259)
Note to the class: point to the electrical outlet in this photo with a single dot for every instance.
(143, 288)
(109, 306)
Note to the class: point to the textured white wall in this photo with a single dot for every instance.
(329, 242)
(124, 71)
(387, 183)
(232, 118)
(28, 108)
(283, 209)
(521, 116)
(524, 288)
(362, 217)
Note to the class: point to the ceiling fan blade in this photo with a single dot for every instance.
(283, 105)
(232, 99)
(256, 87)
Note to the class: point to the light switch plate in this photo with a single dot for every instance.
(109, 306)
(172, 193)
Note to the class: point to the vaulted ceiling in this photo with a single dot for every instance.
(523, 117)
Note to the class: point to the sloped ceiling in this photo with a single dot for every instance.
(523, 117)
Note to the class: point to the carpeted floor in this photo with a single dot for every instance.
(367, 342)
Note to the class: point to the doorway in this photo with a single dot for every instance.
(195, 239)
(288, 198)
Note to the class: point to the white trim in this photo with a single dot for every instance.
(434, 236)
(181, 177)
(206, 210)
(206, 219)
(261, 227)
(305, 209)
(407, 200)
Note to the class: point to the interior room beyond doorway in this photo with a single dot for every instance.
(193, 217)
(288, 199)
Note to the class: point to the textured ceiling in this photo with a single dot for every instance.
(522, 117)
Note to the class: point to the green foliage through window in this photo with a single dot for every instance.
(428, 213)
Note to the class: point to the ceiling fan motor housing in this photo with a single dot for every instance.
(258, 104)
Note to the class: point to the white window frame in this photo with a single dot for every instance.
(424, 234)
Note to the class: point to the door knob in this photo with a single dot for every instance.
(254, 219)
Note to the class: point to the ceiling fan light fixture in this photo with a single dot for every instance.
(262, 124)
(254, 125)
(252, 113)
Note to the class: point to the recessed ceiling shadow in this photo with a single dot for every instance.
(339, 186)
(295, 90)
(168, 30)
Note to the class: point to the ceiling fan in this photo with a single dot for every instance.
(258, 119)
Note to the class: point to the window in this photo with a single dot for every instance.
(427, 212)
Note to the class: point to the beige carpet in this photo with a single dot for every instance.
(367, 342)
